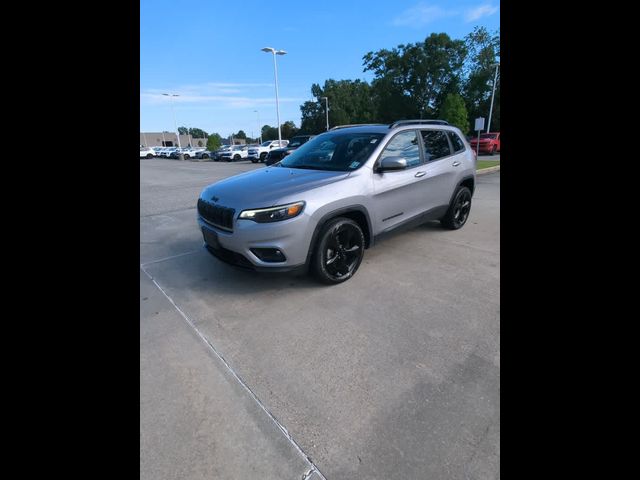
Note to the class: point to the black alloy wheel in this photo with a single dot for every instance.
(459, 209)
(339, 251)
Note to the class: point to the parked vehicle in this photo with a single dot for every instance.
(147, 152)
(489, 143)
(278, 154)
(325, 203)
(260, 153)
(235, 153)
(167, 151)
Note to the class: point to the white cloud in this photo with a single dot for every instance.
(156, 98)
(421, 14)
(479, 12)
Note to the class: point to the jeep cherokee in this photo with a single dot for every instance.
(328, 201)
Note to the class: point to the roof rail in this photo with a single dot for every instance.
(338, 127)
(418, 122)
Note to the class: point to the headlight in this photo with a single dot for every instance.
(275, 214)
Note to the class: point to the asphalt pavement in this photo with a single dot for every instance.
(394, 374)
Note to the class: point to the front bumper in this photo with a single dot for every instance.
(291, 237)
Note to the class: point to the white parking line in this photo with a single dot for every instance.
(313, 467)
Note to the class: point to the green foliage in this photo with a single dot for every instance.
(240, 134)
(214, 142)
(350, 101)
(484, 51)
(454, 111)
(414, 81)
(287, 130)
(183, 130)
(411, 81)
(197, 133)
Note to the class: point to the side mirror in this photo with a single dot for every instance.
(390, 164)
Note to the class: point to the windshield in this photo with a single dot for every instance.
(488, 135)
(339, 151)
(266, 144)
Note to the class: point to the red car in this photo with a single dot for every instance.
(489, 143)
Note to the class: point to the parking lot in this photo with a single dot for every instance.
(394, 374)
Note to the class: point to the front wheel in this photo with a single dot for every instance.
(204, 155)
(263, 155)
(459, 209)
(339, 251)
(493, 150)
(149, 155)
(186, 156)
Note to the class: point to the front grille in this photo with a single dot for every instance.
(221, 217)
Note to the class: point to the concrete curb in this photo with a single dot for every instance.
(488, 170)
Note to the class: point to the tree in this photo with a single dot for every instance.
(454, 111)
(412, 80)
(214, 141)
(350, 101)
(288, 129)
(183, 130)
(197, 133)
(240, 134)
(484, 51)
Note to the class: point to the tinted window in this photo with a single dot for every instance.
(436, 144)
(404, 145)
(457, 143)
(338, 151)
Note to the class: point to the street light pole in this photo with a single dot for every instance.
(326, 99)
(175, 124)
(275, 69)
(495, 78)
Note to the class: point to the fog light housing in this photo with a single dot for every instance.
(270, 255)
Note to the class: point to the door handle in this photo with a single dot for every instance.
(421, 174)
(456, 163)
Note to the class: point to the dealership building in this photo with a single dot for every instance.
(169, 139)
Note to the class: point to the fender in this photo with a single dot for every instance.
(336, 213)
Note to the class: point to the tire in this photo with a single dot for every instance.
(338, 251)
(149, 155)
(186, 156)
(493, 150)
(459, 209)
(263, 156)
(236, 158)
(204, 155)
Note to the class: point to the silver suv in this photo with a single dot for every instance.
(329, 200)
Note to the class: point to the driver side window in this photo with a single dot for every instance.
(404, 145)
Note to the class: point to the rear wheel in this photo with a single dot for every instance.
(204, 155)
(339, 251)
(459, 209)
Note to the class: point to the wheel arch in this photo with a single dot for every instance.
(357, 213)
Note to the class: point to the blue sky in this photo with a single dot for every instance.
(208, 52)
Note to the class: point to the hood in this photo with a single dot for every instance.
(265, 187)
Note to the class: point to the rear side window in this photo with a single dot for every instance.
(436, 144)
(457, 143)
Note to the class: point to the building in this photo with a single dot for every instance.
(169, 139)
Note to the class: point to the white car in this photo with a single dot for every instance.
(260, 152)
(147, 152)
(236, 152)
